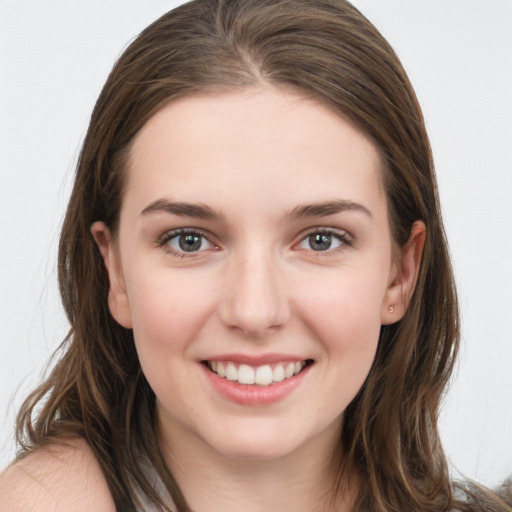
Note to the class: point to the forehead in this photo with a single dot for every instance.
(276, 141)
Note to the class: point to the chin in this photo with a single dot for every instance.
(267, 440)
(257, 451)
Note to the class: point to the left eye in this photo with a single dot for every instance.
(181, 242)
(322, 241)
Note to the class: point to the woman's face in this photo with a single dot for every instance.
(254, 264)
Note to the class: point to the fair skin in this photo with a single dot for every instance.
(56, 479)
(254, 243)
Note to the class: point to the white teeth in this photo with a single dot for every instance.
(245, 374)
(231, 372)
(262, 375)
(279, 373)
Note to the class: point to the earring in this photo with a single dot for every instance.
(391, 308)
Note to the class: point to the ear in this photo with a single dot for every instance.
(404, 276)
(117, 297)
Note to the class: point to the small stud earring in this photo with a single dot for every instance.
(391, 308)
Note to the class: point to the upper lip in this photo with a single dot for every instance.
(256, 360)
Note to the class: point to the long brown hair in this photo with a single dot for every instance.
(325, 49)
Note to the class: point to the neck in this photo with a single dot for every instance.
(302, 481)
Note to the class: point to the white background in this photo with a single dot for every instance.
(54, 58)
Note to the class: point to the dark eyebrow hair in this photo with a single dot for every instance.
(202, 211)
(327, 208)
(199, 211)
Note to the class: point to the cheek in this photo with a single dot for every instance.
(342, 301)
(344, 314)
(168, 309)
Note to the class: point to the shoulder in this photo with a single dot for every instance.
(56, 478)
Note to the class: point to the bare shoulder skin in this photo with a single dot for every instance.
(54, 479)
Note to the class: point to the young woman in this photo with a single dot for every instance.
(262, 309)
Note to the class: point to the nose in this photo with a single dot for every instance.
(255, 298)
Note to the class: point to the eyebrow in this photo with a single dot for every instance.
(327, 208)
(199, 211)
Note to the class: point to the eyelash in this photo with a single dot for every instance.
(342, 236)
(175, 233)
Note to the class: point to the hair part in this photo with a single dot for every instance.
(327, 50)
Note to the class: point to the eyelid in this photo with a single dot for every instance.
(163, 240)
(344, 236)
(341, 234)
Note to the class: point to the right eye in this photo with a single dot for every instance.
(186, 241)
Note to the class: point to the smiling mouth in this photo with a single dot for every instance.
(264, 375)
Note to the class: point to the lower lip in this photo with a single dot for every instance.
(253, 395)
